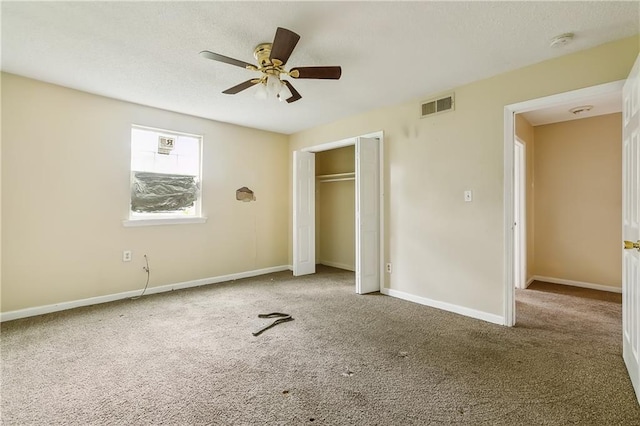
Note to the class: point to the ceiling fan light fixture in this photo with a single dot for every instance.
(274, 86)
(284, 93)
(261, 92)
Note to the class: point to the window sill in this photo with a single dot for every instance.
(163, 221)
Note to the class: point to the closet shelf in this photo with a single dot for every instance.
(336, 177)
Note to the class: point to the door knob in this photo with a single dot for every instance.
(631, 245)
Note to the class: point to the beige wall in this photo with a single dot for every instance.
(65, 192)
(578, 200)
(340, 160)
(335, 207)
(65, 180)
(524, 131)
(441, 247)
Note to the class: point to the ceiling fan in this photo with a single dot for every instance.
(271, 59)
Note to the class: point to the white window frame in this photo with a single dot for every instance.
(152, 219)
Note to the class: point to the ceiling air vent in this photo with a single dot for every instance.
(438, 105)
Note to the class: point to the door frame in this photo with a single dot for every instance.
(379, 135)
(520, 199)
(509, 308)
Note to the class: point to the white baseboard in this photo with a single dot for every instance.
(40, 310)
(461, 310)
(337, 265)
(577, 284)
(529, 281)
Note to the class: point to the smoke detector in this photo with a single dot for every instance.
(561, 40)
(581, 109)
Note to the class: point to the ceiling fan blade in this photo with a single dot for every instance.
(327, 73)
(225, 59)
(240, 87)
(294, 93)
(283, 44)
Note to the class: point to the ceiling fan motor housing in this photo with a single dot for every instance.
(262, 53)
(268, 66)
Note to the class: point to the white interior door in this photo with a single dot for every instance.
(367, 216)
(631, 225)
(304, 213)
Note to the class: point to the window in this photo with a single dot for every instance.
(165, 177)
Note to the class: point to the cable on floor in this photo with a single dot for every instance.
(146, 269)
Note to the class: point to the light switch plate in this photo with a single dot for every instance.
(468, 195)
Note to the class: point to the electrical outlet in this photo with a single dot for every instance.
(468, 195)
(126, 256)
(388, 268)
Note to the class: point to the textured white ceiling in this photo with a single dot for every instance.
(602, 104)
(390, 52)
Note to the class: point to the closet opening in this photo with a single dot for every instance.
(347, 182)
(336, 208)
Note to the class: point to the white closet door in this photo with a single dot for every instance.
(304, 213)
(367, 216)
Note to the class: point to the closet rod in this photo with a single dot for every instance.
(336, 175)
(336, 179)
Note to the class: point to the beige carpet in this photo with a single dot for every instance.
(188, 357)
